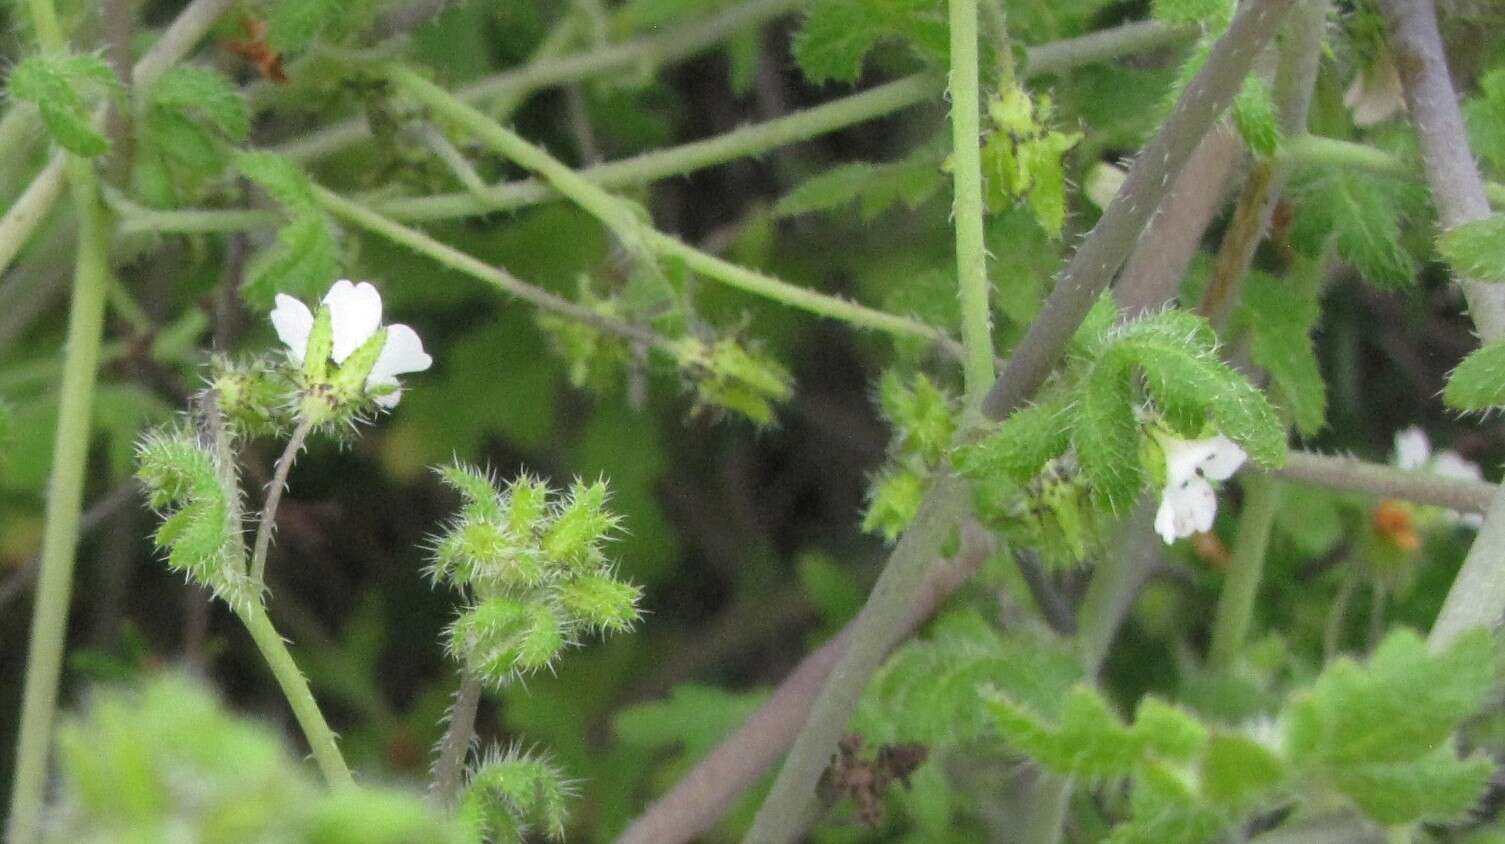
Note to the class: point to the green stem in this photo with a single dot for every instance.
(642, 54)
(449, 769)
(1332, 632)
(966, 172)
(64, 501)
(1245, 570)
(1317, 151)
(462, 262)
(268, 520)
(274, 650)
(880, 625)
(624, 220)
(65, 491)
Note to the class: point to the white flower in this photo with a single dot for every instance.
(1375, 94)
(354, 316)
(1413, 451)
(1188, 504)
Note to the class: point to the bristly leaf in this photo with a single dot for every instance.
(837, 35)
(1479, 381)
(207, 93)
(1280, 318)
(1399, 706)
(1485, 115)
(1106, 435)
(61, 87)
(1476, 250)
(1438, 787)
(1254, 115)
(1021, 445)
(874, 187)
(279, 177)
(510, 795)
(1362, 212)
(300, 263)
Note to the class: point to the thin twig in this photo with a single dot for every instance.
(449, 768)
(1353, 475)
(268, 519)
(1477, 596)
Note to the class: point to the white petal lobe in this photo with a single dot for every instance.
(354, 314)
(293, 321)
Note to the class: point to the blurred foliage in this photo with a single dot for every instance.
(753, 529)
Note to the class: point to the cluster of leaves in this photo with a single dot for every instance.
(837, 35)
(190, 118)
(533, 567)
(63, 87)
(729, 375)
(923, 418)
(1375, 736)
(165, 761)
(194, 486)
(513, 793)
(1173, 354)
(1022, 157)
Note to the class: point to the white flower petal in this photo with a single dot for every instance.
(1450, 464)
(293, 321)
(354, 314)
(1215, 458)
(403, 352)
(1186, 508)
(1412, 448)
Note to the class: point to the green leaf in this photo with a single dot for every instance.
(1476, 250)
(206, 94)
(831, 589)
(835, 188)
(61, 86)
(1106, 435)
(837, 35)
(1165, 810)
(279, 177)
(874, 187)
(1021, 444)
(1362, 213)
(1280, 318)
(1182, 370)
(301, 263)
(1479, 381)
(1485, 116)
(1401, 705)
(1254, 115)
(1088, 739)
(294, 24)
(1438, 787)
(1239, 771)
(928, 690)
(693, 717)
(1042, 160)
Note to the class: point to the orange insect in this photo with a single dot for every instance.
(254, 48)
(1393, 521)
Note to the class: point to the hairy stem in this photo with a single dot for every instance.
(268, 519)
(679, 43)
(881, 624)
(1230, 626)
(966, 209)
(462, 262)
(1477, 597)
(321, 740)
(449, 768)
(65, 489)
(625, 221)
(1093, 265)
(1351, 475)
(65, 492)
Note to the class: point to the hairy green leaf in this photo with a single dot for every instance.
(1021, 444)
(1254, 115)
(1478, 383)
(1437, 787)
(1476, 250)
(1362, 213)
(1280, 318)
(301, 263)
(61, 87)
(837, 35)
